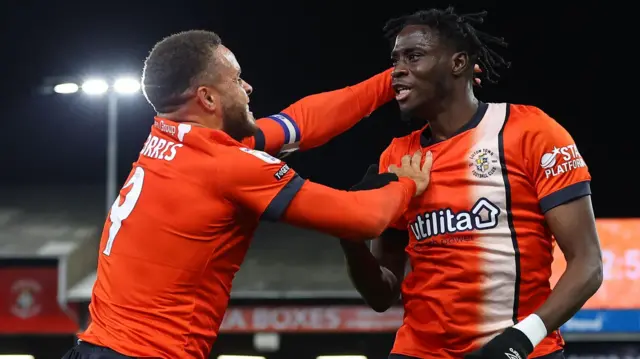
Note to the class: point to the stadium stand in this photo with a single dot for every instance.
(56, 223)
(283, 262)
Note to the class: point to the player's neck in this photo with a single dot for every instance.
(187, 115)
(453, 114)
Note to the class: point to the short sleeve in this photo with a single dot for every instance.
(385, 162)
(558, 171)
(259, 182)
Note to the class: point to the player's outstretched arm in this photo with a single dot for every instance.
(350, 215)
(267, 187)
(316, 119)
(360, 215)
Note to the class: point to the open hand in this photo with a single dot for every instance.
(411, 168)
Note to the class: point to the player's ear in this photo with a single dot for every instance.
(207, 98)
(460, 63)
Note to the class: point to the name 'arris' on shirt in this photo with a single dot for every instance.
(160, 149)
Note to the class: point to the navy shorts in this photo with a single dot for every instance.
(555, 355)
(89, 351)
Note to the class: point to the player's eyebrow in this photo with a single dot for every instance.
(408, 49)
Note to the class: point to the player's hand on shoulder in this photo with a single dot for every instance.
(373, 179)
(410, 168)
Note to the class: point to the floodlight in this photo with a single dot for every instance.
(66, 88)
(126, 85)
(95, 87)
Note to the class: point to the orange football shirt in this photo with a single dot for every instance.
(182, 223)
(479, 250)
(174, 240)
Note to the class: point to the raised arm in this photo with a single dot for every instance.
(316, 119)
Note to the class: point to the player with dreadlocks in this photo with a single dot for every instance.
(507, 181)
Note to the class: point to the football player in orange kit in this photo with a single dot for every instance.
(180, 228)
(507, 180)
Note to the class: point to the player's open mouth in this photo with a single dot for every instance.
(402, 92)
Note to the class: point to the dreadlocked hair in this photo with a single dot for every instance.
(460, 31)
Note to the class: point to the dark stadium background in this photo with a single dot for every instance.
(52, 148)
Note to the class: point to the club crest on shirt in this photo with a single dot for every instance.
(483, 162)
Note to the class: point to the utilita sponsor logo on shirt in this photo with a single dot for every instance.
(483, 215)
(561, 160)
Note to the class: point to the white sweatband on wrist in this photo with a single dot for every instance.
(533, 327)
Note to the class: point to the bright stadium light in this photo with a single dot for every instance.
(111, 88)
(95, 87)
(240, 357)
(65, 88)
(126, 85)
(16, 356)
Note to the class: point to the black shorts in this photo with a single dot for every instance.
(555, 355)
(89, 351)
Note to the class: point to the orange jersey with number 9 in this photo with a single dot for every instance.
(175, 238)
(181, 226)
